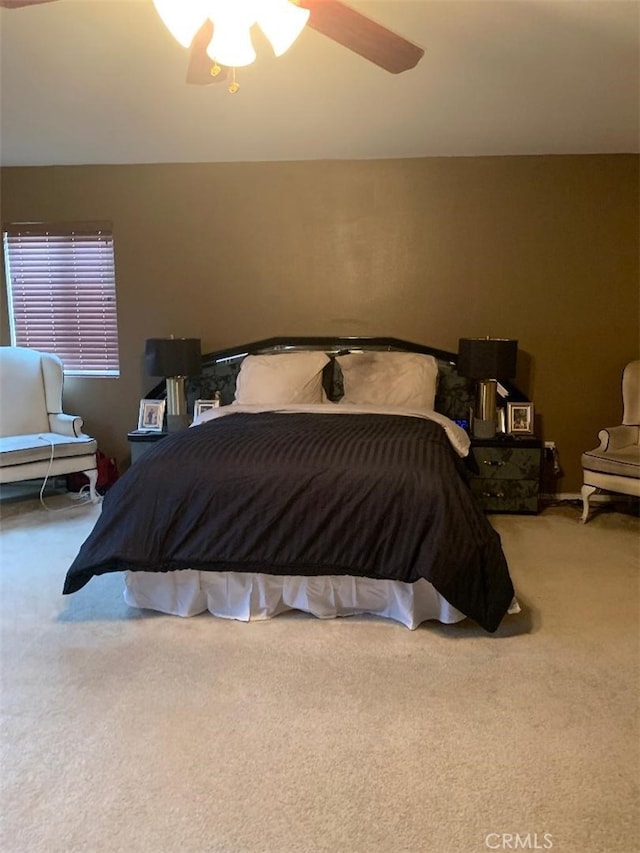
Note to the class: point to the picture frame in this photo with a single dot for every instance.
(201, 406)
(520, 418)
(151, 415)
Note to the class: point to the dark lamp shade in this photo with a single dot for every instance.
(172, 356)
(487, 358)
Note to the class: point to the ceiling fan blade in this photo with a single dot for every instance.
(16, 4)
(200, 63)
(362, 35)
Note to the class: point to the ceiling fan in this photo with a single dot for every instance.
(332, 18)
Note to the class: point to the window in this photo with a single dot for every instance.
(62, 295)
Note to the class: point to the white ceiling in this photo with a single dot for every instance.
(95, 81)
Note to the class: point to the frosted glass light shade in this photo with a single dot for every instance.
(232, 21)
(183, 18)
(282, 23)
(231, 45)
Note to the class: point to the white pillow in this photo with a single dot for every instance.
(291, 377)
(403, 379)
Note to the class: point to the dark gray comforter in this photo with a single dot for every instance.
(379, 496)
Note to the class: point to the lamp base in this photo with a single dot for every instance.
(177, 417)
(175, 423)
(484, 424)
(484, 429)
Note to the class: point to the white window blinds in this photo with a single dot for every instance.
(62, 295)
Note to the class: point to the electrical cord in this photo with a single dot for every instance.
(81, 497)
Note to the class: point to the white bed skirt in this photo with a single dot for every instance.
(248, 596)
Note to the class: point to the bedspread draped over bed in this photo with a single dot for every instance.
(371, 495)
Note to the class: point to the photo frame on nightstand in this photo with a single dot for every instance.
(201, 406)
(151, 415)
(520, 418)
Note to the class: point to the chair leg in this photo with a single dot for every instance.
(586, 492)
(93, 481)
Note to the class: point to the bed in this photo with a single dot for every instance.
(331, 480)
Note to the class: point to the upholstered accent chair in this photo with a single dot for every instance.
(37, 439)
(614, 466)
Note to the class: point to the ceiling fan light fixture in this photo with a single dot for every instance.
(280, 20)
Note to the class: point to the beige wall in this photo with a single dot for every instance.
(542, 249)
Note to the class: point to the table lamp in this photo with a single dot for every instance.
(175, 359)
(488, 361)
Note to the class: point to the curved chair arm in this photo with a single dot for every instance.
(616, 437)
(70, 425)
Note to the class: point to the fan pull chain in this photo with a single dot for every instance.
(216, 69)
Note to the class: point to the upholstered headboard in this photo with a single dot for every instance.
(220, 369)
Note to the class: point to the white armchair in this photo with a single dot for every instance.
(614, 466)
(37, 439)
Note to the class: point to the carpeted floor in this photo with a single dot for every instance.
(130, 731)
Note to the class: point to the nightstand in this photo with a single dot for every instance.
(505, 473)
(141, 440)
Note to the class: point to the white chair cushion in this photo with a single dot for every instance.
(23, 449)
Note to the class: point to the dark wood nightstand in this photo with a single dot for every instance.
(505, 473)
(141, 440)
